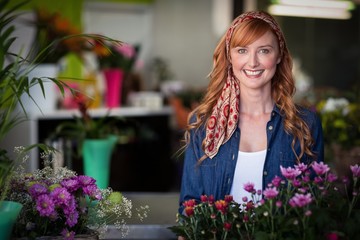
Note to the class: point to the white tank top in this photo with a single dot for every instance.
(249, 168)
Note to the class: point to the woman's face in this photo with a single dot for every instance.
(254, 65)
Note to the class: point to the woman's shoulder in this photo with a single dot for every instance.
(307, 113)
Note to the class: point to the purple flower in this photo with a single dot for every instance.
(320, 168)
(45, 205)
(290, 173)
(72, 218)
(300, 200)
(60, 195)
(70, 184)
(86, 180)
(270, 193)
(37, 189)
(92, 191)
(355, 169)
(70, 206)
(249, 187)
(68, 235)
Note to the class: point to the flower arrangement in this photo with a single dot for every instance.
(113, 55)
(341, 121)
(56, 37)
(61, 202)
(307, 202)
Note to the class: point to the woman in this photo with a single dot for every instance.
(247, 124)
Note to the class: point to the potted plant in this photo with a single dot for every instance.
(15, 82)
(293, 206)
(95, 139)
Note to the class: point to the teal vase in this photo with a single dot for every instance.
(97, 158)
(9, 211)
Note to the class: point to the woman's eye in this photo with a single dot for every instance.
(242, 50)
(264, 51)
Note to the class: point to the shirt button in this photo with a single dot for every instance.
(270, 127)
(265, 173)
(233, 156)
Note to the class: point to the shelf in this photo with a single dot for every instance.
(119, 112)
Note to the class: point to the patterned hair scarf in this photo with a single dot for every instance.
(224, 118)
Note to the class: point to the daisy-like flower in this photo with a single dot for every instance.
(270, 193)
(60, 195)
(300, 200)
(71, 184)
(320, 168)
(249, 187)
(290, 173)
(45, 205)
(37, 189)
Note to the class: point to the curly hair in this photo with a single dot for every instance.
(283, 87)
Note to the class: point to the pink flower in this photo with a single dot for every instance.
(270, 193)
(290, 173)
(249, 187)
(126, 49)
(300, 200)
(320, 168)
(301, 167)
(355, 169)
(276, 181)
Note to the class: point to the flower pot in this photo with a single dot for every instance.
(114, 78)
(97, 157)
(9, 212)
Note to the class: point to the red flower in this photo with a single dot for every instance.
(189, 211)
(332, 236)
(227, 226)
(221, 206)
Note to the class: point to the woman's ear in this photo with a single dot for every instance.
(278, 60)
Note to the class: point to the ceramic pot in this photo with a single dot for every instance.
(9, 211)
(97, 158)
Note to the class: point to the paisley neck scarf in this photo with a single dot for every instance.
(224, 118)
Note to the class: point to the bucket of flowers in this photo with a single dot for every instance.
(60, 204)
(307, 202)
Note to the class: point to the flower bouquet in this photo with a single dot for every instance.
(307, 202)
(61, 203)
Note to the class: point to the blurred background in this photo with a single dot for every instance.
(170, 46)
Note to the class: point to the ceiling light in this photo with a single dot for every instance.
(333, 9)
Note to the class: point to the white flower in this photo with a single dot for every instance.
(333, 104)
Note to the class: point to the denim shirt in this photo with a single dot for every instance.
(215, 176)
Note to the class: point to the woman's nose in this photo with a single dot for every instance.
(253, 60)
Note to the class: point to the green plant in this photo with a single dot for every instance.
(341, 121)
(306, 202)
(14, 81)
(87, 127)
(61, 202)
